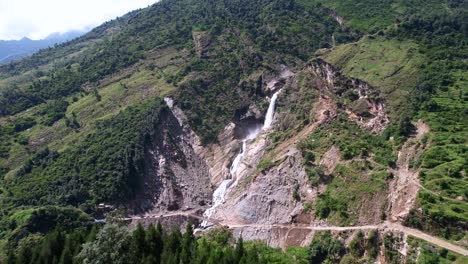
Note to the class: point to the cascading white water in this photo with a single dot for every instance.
(252, 134)
(237, 160)
(219, 193)
(271, 111)
(218, 199)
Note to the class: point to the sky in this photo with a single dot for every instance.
(36, 19)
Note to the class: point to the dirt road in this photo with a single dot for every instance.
(386, 226)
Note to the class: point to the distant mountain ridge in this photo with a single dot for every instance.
(15, 49)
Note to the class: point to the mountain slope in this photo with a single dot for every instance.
(152, 112)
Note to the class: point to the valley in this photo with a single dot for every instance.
(240, 131)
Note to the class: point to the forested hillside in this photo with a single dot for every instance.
(145, 116)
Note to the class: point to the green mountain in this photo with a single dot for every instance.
(258, 116)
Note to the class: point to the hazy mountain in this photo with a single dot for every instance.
(15, 49)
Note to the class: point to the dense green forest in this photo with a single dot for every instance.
(76, 120)
(111, 154)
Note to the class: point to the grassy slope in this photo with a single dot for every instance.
(371, 16)
(389, 65)
(444, 163)
(395, 68)
(129, 87)
(356, 184)
(203, 82)
(124, 89)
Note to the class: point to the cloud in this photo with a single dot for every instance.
(38, 19)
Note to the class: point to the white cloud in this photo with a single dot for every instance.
(37, 19)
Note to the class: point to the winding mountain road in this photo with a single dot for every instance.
(385, 226)
(392, 226)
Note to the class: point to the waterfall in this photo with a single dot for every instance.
(218, 199)
(238, 159)
(220, 192)
(271, 111)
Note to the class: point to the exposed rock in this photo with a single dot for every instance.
(218, 156)
(276, 82)
(374, 118)
(268, 198)
(337, 18)
(176, 177)
(87, 87)
(330, 159)
(202, 40)
(252, 112)
(375, 109)
(254, 152)
(325, 110)
(405, 186)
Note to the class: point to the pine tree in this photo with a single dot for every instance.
(57, 242)
(138, 243)
(188, 240)
(250, 256)
(405, 127)
(203, 251)
(24, 255)
(45, 253)
(216, 256)
(159, 228)
(172, 246)
(67, 256)
(52, 247)
(240, 250)
(112, 245)
(154, 244)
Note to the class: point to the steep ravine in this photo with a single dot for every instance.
(259, 203)
(271, 196)
(245, 195)
(238, 162)
(232, 159)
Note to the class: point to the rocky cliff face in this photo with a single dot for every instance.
(269, 195)
(266, 197)
(270, 185)
(176, 177)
